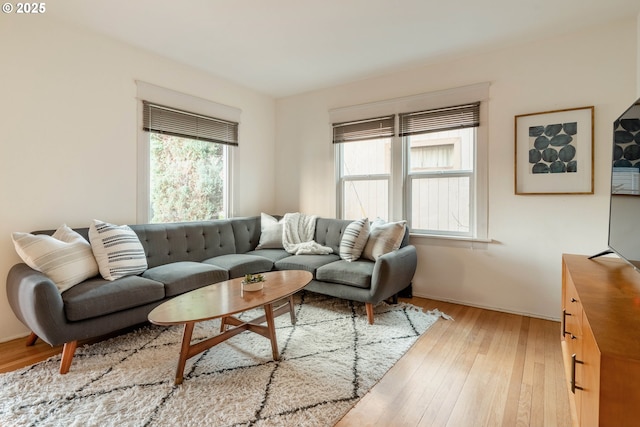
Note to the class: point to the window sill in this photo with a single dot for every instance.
(461, 241)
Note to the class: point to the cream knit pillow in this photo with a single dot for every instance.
(384, 237)
(65, 257)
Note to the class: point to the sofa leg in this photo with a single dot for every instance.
(67, 356)
(369, 308)
(31, 339)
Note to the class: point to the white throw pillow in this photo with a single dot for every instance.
(65, 257)
(117, 249)
(384, 237)
(354, 239)
(270, 232)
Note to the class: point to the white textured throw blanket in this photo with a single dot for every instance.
(297, 235)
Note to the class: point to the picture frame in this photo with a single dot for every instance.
(554, 152)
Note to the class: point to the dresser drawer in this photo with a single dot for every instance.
(571, 310)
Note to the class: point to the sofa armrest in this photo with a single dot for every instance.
(393, 272)
(37, 303)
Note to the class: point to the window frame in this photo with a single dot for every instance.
(342, 180)
(399, 167)
(167, 97)
(410, 177)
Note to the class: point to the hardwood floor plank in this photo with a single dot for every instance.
(451, 367)
(473, 391)
(505, 367)
(523, 418)
(16, 354)
(510, 414)
(482, 399)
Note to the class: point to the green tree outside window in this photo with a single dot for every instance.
(186, 179)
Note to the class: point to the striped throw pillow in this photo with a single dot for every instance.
(65, 257)
(117, 249)
(354, 239)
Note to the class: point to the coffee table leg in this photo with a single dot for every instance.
(292, 312)
(184, 351)
(271, 327)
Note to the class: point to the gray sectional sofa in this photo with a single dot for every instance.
(185, 256)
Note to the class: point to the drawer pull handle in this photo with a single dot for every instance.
(564, 322)
(574, 300)
(574, 361)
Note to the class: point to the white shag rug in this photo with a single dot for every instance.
(328, 361)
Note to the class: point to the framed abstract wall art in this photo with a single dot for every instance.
(554, 152)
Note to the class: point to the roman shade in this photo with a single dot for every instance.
(172, 121)
(362, 130)
(440, 119)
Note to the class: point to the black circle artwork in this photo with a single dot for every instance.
(553, 148)
(626, 147)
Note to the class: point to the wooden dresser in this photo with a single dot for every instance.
(601, 340)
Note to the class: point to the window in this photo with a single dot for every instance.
(364, 168)
(440, 177)
(440, 181)
(188, 164)
(365, 178)
(431, 171)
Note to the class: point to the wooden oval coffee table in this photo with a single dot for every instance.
(223, 300)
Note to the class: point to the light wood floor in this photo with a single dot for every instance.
(484, 368)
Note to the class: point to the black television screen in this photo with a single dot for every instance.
(624, 209)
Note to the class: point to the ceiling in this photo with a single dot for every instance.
(285, 47)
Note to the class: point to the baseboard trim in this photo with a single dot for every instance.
(485, 307)
(14, 337)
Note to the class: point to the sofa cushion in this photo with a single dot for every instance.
(329, 232)
(272, 254)
(65, 257)
(356, 273)
(354, 239)
(239, 265)
(305, 262)
(246, 232)
(185, 276)
(117, 249)
(384, 237)
(185, 241)
(97, 297)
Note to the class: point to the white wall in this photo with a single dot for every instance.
(68, 132)
(520, 271)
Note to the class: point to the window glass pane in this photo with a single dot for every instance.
(366, 199)
(440, 204)
(442, 151)
(187, 179)
(366, 157)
